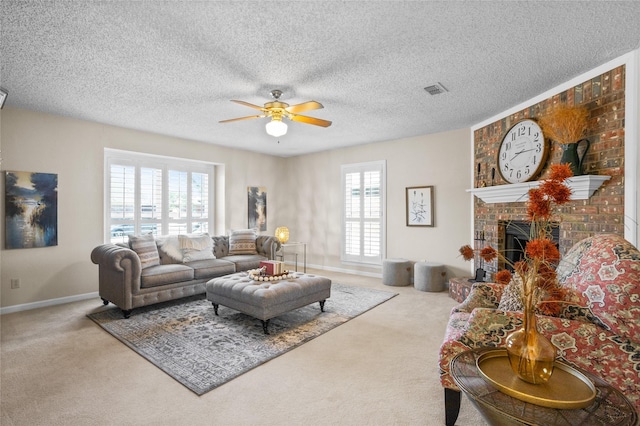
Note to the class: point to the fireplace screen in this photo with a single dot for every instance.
(516, 237)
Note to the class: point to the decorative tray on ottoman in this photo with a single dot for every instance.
(567, 387)
(258, 275)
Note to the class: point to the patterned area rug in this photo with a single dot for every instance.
(188, 342)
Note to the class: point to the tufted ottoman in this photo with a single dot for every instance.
(265, 300)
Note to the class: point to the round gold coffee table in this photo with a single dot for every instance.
(609, 407)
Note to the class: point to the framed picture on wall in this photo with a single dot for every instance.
(420, 206)
(257, 202)
(30, 210)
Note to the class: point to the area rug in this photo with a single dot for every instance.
(202, 351)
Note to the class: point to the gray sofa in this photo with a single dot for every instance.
(125, 283)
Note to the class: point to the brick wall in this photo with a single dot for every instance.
(604, 97)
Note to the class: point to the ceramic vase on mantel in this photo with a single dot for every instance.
(571, 155)
(531, 354)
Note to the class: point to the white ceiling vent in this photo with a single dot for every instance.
(436, 89)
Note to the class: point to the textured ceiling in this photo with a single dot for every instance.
(172, 67)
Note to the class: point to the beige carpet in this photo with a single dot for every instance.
(59, 368)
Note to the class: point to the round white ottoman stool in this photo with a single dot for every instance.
(396, 272)
(429, 276)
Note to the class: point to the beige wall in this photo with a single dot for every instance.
(303, 193)
(441, 160)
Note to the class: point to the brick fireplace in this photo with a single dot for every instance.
(603, 211)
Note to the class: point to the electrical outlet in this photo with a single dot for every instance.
(15, 282)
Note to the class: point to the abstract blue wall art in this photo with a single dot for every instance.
(31, 210)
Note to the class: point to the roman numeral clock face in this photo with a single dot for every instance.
(523, 152)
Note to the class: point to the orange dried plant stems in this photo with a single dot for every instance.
(565, 124)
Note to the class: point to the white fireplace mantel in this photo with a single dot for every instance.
(582, 187)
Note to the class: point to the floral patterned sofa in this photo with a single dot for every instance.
(598, 330)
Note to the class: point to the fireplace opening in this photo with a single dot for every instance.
(516, 237)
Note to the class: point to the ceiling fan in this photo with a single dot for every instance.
(278, 110)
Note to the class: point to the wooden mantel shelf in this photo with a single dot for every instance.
(582, 187)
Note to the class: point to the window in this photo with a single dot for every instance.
(362, 224)
(160, 195)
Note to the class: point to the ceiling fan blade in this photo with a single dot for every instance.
(310, 120)
(306, 106)
(242, 118)
(249, 105)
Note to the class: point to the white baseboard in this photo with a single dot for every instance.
(341, 270)
(45, 303)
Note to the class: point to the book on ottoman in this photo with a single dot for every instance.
(273, 267)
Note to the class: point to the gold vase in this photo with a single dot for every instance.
(531, 355)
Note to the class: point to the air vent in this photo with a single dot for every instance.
(436, 89)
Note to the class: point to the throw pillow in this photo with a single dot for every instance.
(511, 299)
(146, 249)
(169, 249)
(242, 241)
(196, 247)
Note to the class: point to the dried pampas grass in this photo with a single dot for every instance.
(565, 124)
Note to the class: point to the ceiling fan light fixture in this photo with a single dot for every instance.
(277, 111)
(276, 128)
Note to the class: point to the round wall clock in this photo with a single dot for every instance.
(523, 152)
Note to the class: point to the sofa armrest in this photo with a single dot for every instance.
(119, 274)
(267, 246)
(482, 295)
(112, 256)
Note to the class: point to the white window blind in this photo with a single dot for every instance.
(199, 200)
(122, 192)
(363, 213)
(155, 194)
(150, 193)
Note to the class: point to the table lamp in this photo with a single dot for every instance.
(282, 234)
